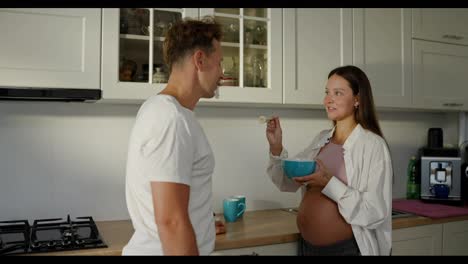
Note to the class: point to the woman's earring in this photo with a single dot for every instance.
(356, 106)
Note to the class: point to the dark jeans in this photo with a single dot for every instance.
(342, 248)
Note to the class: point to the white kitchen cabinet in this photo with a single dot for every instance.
(132, 41)
(440, 75)
(315, 42)
(441, 24)
(455, 238)
(419, 240)
(252, 55)
(283, 249)
(382, 49)
(51, 48)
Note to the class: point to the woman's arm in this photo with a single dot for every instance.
(275, 169)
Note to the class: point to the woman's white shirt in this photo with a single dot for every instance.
(366, 202)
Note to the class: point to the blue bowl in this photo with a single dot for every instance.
(298, 168)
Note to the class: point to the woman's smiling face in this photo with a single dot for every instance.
(339, 101)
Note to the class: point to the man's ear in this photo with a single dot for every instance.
(198, 59)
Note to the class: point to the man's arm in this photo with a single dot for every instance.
(170, 201)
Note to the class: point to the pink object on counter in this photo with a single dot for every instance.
(431, 210)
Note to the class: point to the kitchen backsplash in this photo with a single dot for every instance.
(60, 158)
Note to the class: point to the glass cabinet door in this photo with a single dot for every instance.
(133, 65)
(252, 54)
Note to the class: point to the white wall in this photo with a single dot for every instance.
(60, 158)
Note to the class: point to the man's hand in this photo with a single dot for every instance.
(220, 228)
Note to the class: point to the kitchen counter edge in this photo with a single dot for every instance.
(256, 228)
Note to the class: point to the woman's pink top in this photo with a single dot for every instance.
(332, 156)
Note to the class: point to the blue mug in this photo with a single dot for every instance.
(233, 209)
(440, 191)
(242, 200)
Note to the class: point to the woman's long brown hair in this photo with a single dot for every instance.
(365, 115)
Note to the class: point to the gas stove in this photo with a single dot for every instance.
(48, 235)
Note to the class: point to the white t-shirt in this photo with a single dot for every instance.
(168, 144)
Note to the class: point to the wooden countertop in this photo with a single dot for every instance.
(259, 228)
(412, 221)
(255, 228)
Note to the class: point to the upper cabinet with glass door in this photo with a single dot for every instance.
(252, 60)
(133, 68)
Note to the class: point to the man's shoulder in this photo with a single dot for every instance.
(161, 102)
(160, 107)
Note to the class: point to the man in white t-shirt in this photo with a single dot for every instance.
(170, 162)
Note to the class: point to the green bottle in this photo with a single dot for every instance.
(412, 187)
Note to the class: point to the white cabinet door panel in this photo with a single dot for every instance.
(440, 75)
(52, 48)
(382, 49)
(455, 238)
(420, 240)
(315, 42)
(441, 24)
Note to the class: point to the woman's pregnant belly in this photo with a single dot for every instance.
(319, 220)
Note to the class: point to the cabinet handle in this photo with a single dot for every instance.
(447, 36)
(452, 104)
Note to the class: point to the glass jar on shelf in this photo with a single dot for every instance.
(258, 71)
(230, 72)
(248, 75)
(232, 33)
(159, 75)
(259, 35)
(159, 26)
(123, 25)
(249, 28)
(127, 70)
(133, 20)
(255, 12)
(163, 21)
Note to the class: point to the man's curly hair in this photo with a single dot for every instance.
(187, 35)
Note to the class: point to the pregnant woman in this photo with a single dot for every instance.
(346, 203)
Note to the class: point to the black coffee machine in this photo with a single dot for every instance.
(440, 170)
(440, 175)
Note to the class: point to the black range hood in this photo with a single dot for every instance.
(50, 94)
